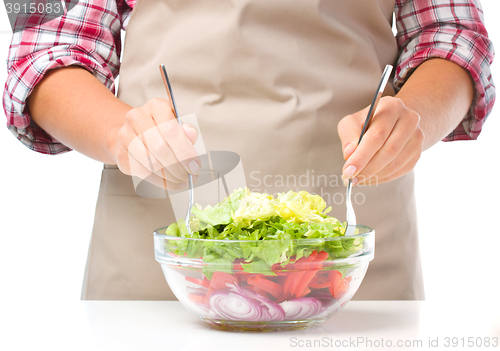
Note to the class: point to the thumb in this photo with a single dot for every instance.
(349, 129)
(190, 132)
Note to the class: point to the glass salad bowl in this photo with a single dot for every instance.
(235, 294)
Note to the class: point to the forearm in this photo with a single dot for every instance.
(441, 92)
(75, 108)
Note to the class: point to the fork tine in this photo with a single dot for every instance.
(351, 215)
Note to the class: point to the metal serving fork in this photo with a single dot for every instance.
(351, 216)
(166, 81)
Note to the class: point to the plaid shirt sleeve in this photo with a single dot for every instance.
(452, 30)
(88, 35)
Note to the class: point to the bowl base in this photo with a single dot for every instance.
(238, 326)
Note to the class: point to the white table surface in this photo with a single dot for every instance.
(166, 325)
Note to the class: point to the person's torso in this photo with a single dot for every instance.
(270, 80)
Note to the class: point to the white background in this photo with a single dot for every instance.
(48, 203)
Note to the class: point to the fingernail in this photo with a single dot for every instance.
(349, 148)
(349, 171)
(194, 130)
(355, 181)
(194, 167)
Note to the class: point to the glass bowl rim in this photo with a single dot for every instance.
(369, 232)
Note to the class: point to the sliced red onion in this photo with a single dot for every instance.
(305, 307)
(234, 306)
(276, 312)
(266, 315)
(237, 289)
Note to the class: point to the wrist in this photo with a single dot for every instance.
(111, 145)
(441, 92)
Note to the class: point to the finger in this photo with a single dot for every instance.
(138, 170)
(174, 135)
(397, 141)
(138, 121)
(405, 169)
(133, 146)
(409, 152)
(381, 127)
(140, 150)
(349, 129)
(162, 178)
(191, 132)
(160, 150)
(158, 153)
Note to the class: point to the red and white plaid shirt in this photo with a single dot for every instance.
(89, 36)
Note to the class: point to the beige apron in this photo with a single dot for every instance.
(269, 80)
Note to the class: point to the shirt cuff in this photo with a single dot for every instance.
(25, 74)
(469, 50)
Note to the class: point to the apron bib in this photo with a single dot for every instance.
(269, 80)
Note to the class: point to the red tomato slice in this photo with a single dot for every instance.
(320, 286)
(297, 277)
(288, 282)
(219, 280)
(339, 286)
(301, 288)
(304, 262)
(318, 261)
(267, 285)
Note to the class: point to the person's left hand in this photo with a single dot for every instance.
(390, 147)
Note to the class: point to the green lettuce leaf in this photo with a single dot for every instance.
(265, 228)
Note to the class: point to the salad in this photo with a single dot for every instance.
(255, 268)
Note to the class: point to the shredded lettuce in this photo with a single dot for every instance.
(266, 228)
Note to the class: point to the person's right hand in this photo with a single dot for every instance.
(152, 145)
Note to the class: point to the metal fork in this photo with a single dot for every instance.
(166, 81)
(351, 216)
